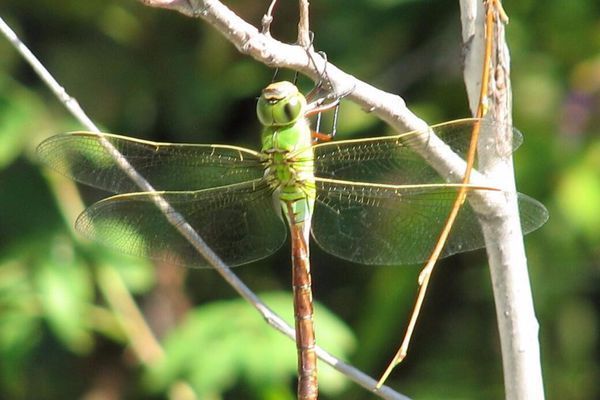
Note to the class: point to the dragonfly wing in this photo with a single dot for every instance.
(87, 158)
(372, 224)
(238, 222)
(396, 159)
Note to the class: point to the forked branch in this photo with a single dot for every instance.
(517, 324)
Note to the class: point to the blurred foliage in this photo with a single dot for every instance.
(155, 74)
(243, 347)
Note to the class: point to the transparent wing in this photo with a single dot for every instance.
(238, 222)
(395, 159)
(84, 156)
(374, 224)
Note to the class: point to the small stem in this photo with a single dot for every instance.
(304, 39)
(517, 325)
(267, 19)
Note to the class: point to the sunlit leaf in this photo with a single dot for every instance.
(137, 273)
(225, 342)
(64, 290)
(579, 193)
(22, 116)
(19, 322)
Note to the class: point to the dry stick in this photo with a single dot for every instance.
(186, 230)
(517, 325)
(425, 274)
(267, 19)
(522, 373)
(303, 26)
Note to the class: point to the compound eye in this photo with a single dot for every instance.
(280, 104)
(292, 109)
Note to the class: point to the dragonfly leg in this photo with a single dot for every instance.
(332, 100)
(321, 137)
(319, 106)
(324, 82)
(317, 136)
(275, 75)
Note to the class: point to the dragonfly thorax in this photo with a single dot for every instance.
(287, 148)
(289, 155)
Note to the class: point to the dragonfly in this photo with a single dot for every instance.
(372, 201)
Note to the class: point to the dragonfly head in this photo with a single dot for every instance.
(280, 104)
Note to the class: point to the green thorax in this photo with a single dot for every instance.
(287, 145)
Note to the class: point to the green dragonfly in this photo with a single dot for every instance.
(371, 201)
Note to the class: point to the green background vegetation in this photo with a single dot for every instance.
(155, 74)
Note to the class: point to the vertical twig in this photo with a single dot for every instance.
(304, 39)
(517, 325)
(267, 19)
(426, 272)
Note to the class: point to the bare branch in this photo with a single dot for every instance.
(304, 25)
(185, 229)
(515, 314)
(268, 19)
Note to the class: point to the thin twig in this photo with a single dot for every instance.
(267, 19)
(517, 324)
(188, 232)
(304, 26)
(425, 275)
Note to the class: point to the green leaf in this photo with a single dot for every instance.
(22, 116)
(225, 342)
(65, 290)
(579, 193)
(19, 335)
(19, 323)
(138, 274)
